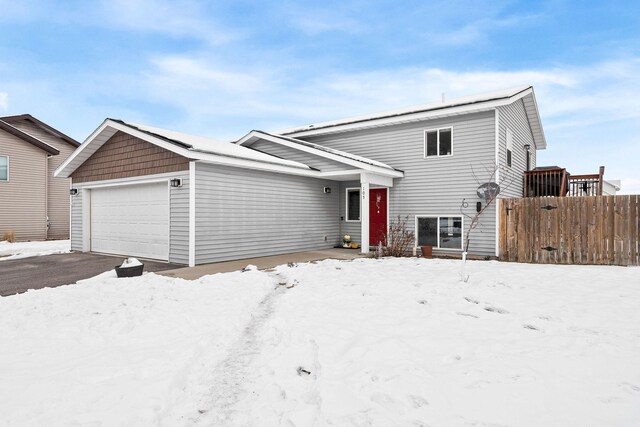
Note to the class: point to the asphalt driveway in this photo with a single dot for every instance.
(20, 275)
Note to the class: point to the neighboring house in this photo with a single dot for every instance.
(160, 194)
(610, 187)
(34, 205)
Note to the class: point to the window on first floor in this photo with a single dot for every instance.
(443, 232)
(353, 204)
(438, 142)
(4, 168)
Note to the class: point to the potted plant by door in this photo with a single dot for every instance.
(427, 251)
(130, 267)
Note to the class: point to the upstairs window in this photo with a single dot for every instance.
(509, 147)
(4, 168)
(438, 142)
(353, 204)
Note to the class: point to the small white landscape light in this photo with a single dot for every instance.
(73, 191)
(176, 182)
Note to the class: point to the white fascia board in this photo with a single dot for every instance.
(374, 179)
(78, 151)
(89, 147)
(411, 117)
(320, 153)
(254, 165)
(531, 109)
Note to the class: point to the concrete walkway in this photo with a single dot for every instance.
(193, 273)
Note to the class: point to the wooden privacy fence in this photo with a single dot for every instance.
(571, 230)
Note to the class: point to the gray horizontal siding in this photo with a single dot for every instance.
(514, 118)
(242, 213)
(179, 221)
(308, 159)
(434, 186)
(23, 198)
(76, 221)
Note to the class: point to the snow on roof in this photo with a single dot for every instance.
(438, 105)
(203, 144)
(330, 150)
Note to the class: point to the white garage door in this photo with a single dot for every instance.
(131, 220)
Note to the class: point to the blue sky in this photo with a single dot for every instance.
(223, 68)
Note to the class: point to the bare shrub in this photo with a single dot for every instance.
(9, 236)
(399, 239)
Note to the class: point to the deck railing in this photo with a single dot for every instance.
(545, 183)
(559, 183)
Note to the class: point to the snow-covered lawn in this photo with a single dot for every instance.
(29, 249)
(391, 342)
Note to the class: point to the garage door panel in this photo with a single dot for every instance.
(131, 220)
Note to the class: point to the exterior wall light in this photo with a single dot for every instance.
(73, 191)
(327, 190)
(526, 147)
(176, 182)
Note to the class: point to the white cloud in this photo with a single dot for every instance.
(630, 186)
(4, 101)
(584, 109)
(176, 18)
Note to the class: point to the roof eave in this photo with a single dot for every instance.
(45, 126)
(7, 127)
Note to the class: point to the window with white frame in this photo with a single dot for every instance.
(509, 147)
(353, 204)
(438, 142)
(442, 232)
(4, 168)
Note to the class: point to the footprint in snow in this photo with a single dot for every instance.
(466, 315)
(493, 309)
(533, 328)
(417, 401)
(423, 301)
(471, 300)
(629, 387)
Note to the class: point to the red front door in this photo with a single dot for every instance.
(377, 216)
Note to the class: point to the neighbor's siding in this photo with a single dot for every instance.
(23, 197)
(58, 195)
(320, 163)
(241, 213)
(514, 117)
(57, 188)
(125, 156)
(178, 220)
(434, 186)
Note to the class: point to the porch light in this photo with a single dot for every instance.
(73, 191)
(176, 182)
(526, 147)
(327, 190)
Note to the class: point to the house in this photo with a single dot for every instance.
(34, 203)
(165, 195)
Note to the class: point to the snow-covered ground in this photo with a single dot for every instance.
(391, 342)
(29, 249)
